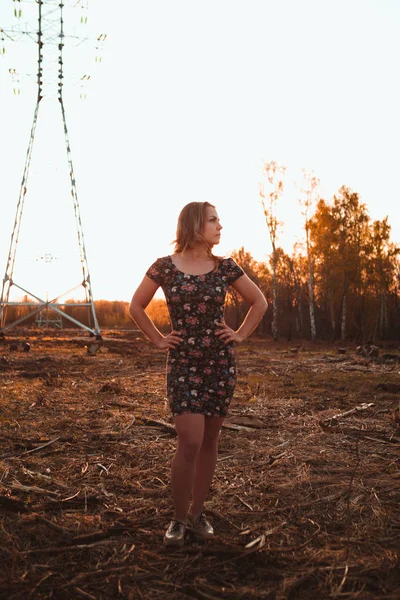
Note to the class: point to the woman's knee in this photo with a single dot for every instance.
(189, 448)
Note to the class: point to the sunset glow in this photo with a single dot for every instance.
(188, 103)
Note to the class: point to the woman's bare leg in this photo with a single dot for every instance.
(190, 430)
(205, 464)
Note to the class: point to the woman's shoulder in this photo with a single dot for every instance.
(163, 260)
(226, 261)
(159, 268)
(230, 268)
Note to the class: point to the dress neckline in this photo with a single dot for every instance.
(191, 274)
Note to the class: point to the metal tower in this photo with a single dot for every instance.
(50, 39)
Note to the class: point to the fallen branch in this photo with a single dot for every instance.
(66, 503)
(245, 421)
(328, 422)
(365, 434)
(62, 549)
(35, 517)
(237, 427)
(155, 423)
(108, 572)
(98, 536)
(263, 536)
(41, 447)
(13, 455)
(83, 594)
(30, 489)
(46, 478)
(278, 509)
(243, 502)
(394, 441)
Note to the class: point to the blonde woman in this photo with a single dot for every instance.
(201, 368)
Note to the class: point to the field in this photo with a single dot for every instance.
(305, 500)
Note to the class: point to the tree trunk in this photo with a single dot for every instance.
(344, 318)
(299, 317)
(383, 317)
(313, 329)
(332, 313)
(274, 326)
(386, 316)
(312, 301)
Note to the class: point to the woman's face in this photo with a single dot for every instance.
(212, 226)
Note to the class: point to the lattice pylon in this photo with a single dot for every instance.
(50, 32)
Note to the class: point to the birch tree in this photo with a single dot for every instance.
(309, 196)
(353, 228)
(271, 190)
(382, 272)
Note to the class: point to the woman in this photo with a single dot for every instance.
(201, 369)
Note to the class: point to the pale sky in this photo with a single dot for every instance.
(191, 97)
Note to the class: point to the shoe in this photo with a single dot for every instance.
(200, 526)
(175, 534)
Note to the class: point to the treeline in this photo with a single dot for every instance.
(116, 314)
(342, 283)
(110, 314)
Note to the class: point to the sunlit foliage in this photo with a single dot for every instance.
(355, 277)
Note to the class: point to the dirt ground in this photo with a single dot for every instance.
(305, 500)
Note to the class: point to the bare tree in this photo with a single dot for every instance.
(273, 181)
(309, 196)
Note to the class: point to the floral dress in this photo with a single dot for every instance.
(201, 371)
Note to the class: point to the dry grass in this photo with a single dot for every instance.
(305, 505)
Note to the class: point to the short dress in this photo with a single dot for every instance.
(201, 371)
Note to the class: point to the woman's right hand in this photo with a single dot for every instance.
(172, 340)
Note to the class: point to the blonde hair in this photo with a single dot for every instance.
(190, 225)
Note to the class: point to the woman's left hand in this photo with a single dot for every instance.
(227, 334)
